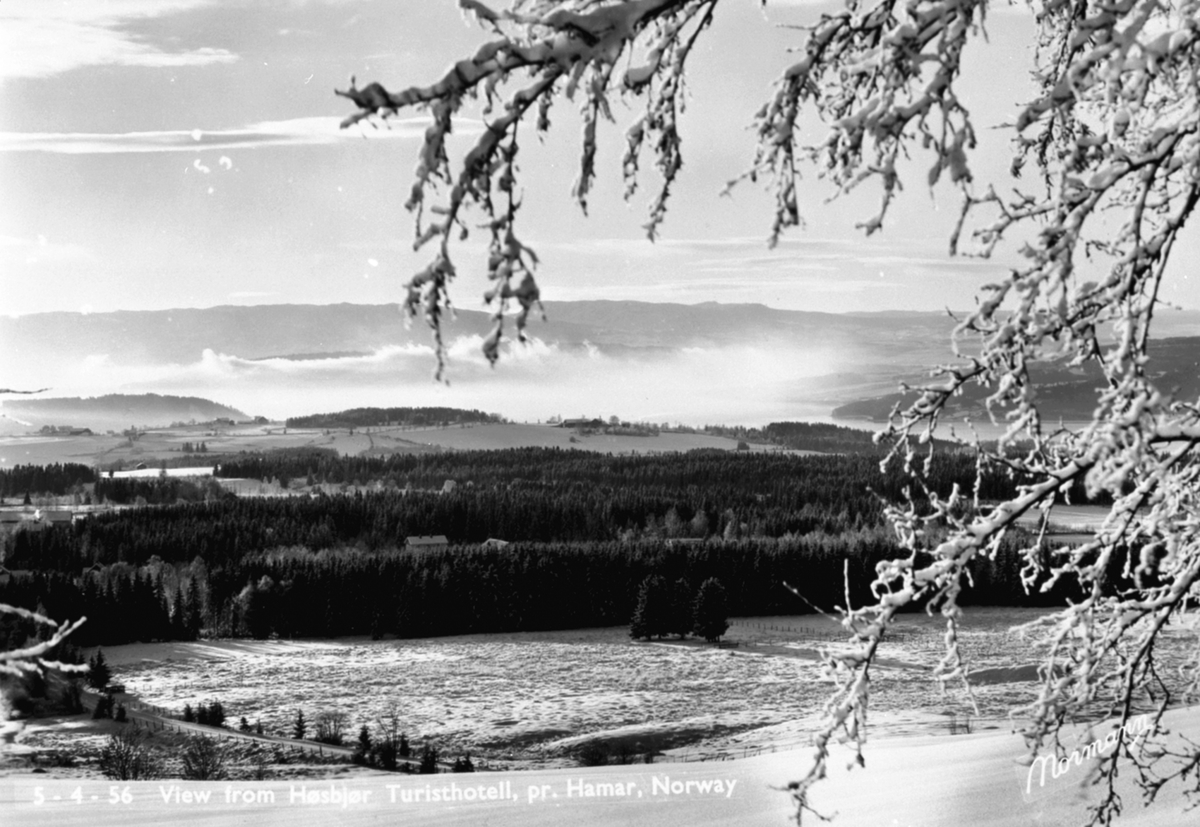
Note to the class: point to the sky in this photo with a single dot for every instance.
(185, 153)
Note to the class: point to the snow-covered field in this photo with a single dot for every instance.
(530, 699)
(927, 781)
(535, 696)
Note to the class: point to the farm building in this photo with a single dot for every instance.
(427, 542)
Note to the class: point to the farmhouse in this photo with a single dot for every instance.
(54, 516)
(427, 542)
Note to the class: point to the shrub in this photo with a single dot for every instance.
(71, 699)
(464, 764)
(429, 760)
(383, 755)
(127, 757)
(104, 707)
(331, 727)
(120, 716)
(592, 754)
(204, 759)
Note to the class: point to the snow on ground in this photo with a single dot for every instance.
(530, 699)
(153, 473)
(536, 695)
(924, 781)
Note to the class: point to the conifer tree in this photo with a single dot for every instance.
(98, 672)
(711, 610)
(363, 747)
(429, 760)
(681, 620)
(299, 728)
(652, 615)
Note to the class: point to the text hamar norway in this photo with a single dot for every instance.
(659, 785)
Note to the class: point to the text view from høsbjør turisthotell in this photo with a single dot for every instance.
(376, 793)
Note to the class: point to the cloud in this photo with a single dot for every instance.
(42, 250)
(746, 384)
(40, 39)
(308, 131)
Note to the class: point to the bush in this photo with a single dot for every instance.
(383, 755)
(592, 754)
(464, 764)
(104, 707)
(120, 716)
(204, 759)
(126, 757)
(71, 699)
(331, 727)
(59, 758)
(211, 714)
(429, 760)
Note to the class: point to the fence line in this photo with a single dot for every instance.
(810, 632)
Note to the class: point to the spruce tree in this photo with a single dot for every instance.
(98, 671)
(429, 760)
(299, 728)
(680, 609)
(651, 617)
(195, 609)
(711, 611)
(178, 615)
(362, 749)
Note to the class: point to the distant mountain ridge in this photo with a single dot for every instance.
(850, 362)
(298, 331)
(117, 411)
(1063, 392)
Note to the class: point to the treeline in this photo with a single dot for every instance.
(833, 439)
(157, 490)
(534, 495)
(296, 592)
(822, 479)
(372, 417)
(57, 479)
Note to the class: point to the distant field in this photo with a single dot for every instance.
(40, 450)
(167, 443)
(514, 435)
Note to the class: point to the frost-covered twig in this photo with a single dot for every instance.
(1113, 131)
(18, 662)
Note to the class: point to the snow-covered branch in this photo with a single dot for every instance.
(1112, 134)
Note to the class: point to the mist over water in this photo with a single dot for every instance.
(740, 384)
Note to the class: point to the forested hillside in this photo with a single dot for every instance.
(371, 417)
(585, 530)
